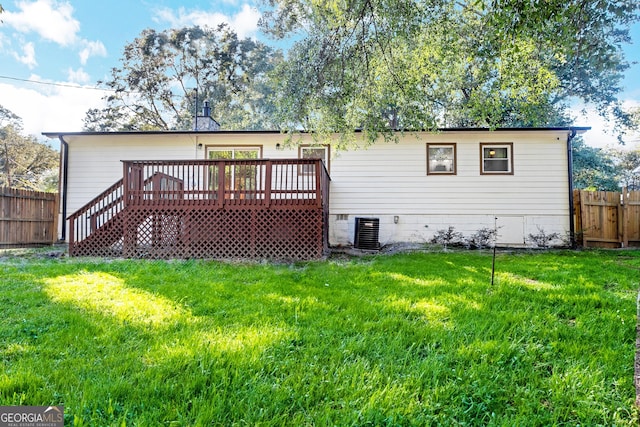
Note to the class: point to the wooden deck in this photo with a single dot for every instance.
(274, 209)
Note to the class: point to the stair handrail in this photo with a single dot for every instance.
(109, 202)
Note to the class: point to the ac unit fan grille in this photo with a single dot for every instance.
(367, 234)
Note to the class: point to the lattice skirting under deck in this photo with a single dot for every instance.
(164, 233)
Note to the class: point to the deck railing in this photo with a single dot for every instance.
(159, 204)
(93, 215)
(226, 183)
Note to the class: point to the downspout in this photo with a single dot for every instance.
(572, 225)
(64, 157)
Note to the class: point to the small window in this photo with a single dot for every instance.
(314, 152)
(441, 159)
(496, 159)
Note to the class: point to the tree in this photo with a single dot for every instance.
(593, 168)
(25, 162)
(383, 64)
(155, 85)
(627, 162)
(633, 129)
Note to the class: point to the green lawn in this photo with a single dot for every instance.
(410, 339)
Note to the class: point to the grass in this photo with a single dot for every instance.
(408, 339)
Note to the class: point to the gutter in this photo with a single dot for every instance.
(572, 226)
(62, 186)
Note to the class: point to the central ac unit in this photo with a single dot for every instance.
(367, 234)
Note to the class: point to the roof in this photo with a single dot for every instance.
(576, 129)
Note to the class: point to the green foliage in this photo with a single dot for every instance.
(385, 65)
(627, 161)
(593, 168)
(8, 118)
(447, 237)
(585, 39)
(24, 161)
(154, 86)
(411, 339)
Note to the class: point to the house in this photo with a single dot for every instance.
(515, 179)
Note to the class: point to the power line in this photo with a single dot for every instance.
(55, 84)
(72, 86)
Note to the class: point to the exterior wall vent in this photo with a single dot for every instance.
(367, 234)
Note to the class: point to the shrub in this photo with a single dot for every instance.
(542, 239)
(483, 238)
(447, 237)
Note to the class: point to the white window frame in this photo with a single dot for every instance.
(325, 159)
(486, 158)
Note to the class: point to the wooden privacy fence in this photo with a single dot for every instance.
(607, 219)
(27, 217)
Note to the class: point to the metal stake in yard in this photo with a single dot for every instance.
(495, 239)
(636, 365)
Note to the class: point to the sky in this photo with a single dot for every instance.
(54, 52)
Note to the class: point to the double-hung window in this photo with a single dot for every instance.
(496, 159)
(441, 159)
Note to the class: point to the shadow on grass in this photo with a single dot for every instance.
(407, 340)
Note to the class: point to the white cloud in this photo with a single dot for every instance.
(78, 76)
(50, 19)
(244, 23)
(90, 49)
(29, 55)
(45, 108)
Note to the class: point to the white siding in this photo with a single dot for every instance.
(388, 180)
(95, 161)
(382, 181)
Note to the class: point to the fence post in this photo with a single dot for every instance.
(584, 233)
(624, 218)
(56, 218)
(577, 226)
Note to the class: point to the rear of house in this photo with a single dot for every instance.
(469, 179)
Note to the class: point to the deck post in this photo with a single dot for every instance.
(267, 183)
(221, 184)
(128, 240)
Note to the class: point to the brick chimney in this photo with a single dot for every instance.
(205, 122)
